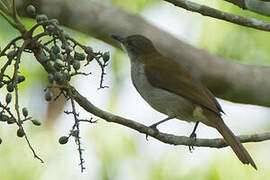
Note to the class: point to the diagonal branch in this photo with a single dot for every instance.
(257, 6)
(163, 137)
(211, 12)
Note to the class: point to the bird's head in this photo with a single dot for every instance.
(136, 45)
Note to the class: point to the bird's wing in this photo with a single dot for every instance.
(172, 77)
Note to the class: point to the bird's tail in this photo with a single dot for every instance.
(235, 144)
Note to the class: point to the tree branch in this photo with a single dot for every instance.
(163, 137)
(226, 79)
(211, 12)
(257, 6)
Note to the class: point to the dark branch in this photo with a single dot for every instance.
(208, 11)
(164, 137)
(257, 6)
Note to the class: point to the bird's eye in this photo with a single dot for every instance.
(129, 43)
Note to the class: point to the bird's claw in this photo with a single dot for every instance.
(154, 127)
(193, 136)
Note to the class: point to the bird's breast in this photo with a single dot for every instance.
(162, 100)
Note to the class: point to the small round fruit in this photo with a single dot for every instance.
(58, 64)
(58, 77)
(10, 87)
(106, 57)
(20, 132)
(79, 56)
(68, 49)
(48, 95)
(50, 78)
(31, 10)
(88, 50)
(36, 122)
(41, 17)
(55, 49)
(21, 79)
(8, 98)
(11, 54)
(63, 140)
(3, 117)
(25, 112)
(76, 65)
(43, 58)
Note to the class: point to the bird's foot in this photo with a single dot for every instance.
(154, 127)
(193, 136)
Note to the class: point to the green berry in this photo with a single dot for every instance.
(65, 56)
(10, 121)
(10, 87)
(79, 56)
(21, 79)
(63, 46)
(76, 65)
(63, 140)
(25, 112)
(66, 75)
(36, 122)
(55, 49)
(58, 64)
(20, 132)
(90, 57)
(41, 17)
(50, 28)
(50, 78)
(3, 117)
(8, 98)
(88, 50)
(50, 63)
(11, 54)
(68, 49)
(43, 58)
(106, 57)
(58, 77)
(59, 56)
(48, 95)
(31, 10)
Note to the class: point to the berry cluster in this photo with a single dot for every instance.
(60, 55)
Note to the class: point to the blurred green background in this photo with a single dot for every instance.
(116, 152)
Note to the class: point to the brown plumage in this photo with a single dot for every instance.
(172, 90)
(180, 81)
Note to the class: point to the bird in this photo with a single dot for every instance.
(172, 90)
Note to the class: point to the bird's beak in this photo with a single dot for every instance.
(119, 38)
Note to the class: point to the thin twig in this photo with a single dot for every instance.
(163, 137)
(258, 6)
(77, 125)
(15, 76)
(211, 12)
(32, 149)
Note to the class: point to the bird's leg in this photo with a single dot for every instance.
(154, 126)
(193, 136)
